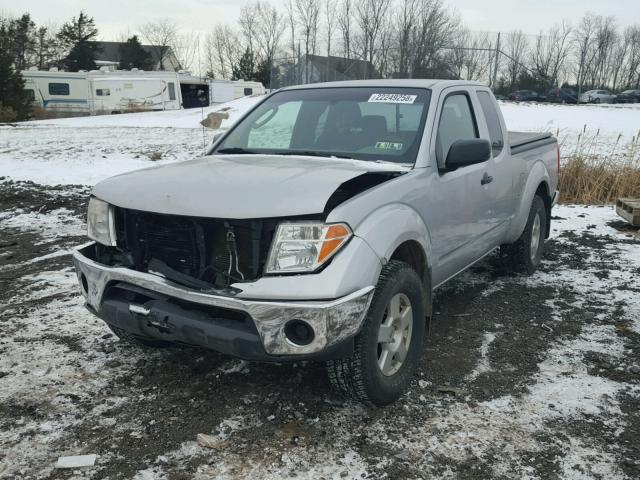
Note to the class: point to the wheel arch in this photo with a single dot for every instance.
(397, 232)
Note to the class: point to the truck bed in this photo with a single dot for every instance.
(524, 141)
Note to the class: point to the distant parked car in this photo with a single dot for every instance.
(597, 96)
(527, 96)
(562, 95)
(628, 96)
(500, 97)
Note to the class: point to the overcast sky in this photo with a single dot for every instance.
(116, 16)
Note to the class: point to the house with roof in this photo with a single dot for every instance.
(108, 55)
(318, 68)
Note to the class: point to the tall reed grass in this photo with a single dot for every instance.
(596, 170)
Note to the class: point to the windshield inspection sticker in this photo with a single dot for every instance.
(392, 98)
(388, 146)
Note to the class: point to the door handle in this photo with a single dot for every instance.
(486, 178)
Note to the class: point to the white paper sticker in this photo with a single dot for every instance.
(392, 98)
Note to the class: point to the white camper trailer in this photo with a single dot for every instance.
(224, 90)
(102, 91)
(201, 91)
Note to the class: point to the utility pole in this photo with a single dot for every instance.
(495, 65)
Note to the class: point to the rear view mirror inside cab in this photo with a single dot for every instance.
(467, 152)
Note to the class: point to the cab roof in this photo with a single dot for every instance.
(406, 83)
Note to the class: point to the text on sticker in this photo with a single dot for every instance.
(392, 98)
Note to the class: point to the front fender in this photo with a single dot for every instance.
(390, 226)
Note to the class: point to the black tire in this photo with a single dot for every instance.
(127, 337)
(596, 101)
(519, 254)
(359, 376)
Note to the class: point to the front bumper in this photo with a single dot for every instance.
(333, 321)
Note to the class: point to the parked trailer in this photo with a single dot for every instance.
(97, 92)
(201, 91)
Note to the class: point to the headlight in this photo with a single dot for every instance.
(304, 247)
(100, 224)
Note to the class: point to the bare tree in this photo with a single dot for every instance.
(551, 52)
(583, 39)
(329, 10)
(185, 47)
(222, 51)
(434, 31)
(407, 18)
(160, 34)
(370, 15)
(632, 64)
(307, 14)
(271, 25)
(516, 53)
(344, 23)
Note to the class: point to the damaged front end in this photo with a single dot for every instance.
(200, 253)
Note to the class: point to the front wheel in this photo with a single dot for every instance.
(388, 347)
(526, 252)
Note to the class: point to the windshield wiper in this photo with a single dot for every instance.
(235, 150)
(312, 153)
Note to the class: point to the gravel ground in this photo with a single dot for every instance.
(523, 377)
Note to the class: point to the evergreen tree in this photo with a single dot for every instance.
(78, 37)
(244, 69)
(14, 103)
(132, 55)
(248, 68)
(22, 33)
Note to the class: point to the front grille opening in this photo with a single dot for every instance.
(200, 253)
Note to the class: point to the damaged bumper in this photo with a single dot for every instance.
(151, 306)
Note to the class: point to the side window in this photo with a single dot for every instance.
(493, 121)
(172, 91)
(103, 92)
(30, 94)
(248, 91)
(456, 123)
(58, 89)
(275, 128)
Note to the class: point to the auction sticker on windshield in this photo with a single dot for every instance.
(392, 98)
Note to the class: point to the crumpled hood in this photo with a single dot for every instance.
(234, 186)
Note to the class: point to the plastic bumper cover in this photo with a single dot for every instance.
(332, 321)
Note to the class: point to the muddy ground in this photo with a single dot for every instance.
(523, 377)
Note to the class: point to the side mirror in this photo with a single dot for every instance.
(468, 152)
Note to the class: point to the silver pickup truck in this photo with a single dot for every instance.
(318, 226)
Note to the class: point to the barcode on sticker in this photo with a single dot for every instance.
(392, 98)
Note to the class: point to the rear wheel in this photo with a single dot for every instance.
(526, 253)
(388, 347)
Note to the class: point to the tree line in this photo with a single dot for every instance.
(420, 39)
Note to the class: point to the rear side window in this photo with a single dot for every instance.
(58, 89)
(456, 123)
(172, 91)
(493, 121)
(248, 91)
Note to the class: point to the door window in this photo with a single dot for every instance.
(493, 121)
(172, 91)
(456, 123)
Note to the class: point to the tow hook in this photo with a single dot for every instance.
(161, 324)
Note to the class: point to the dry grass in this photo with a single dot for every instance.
(598, 172)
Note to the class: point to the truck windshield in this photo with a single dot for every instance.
(350, 122)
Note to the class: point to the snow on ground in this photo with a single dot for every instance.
(170, 119)
(558, 409)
